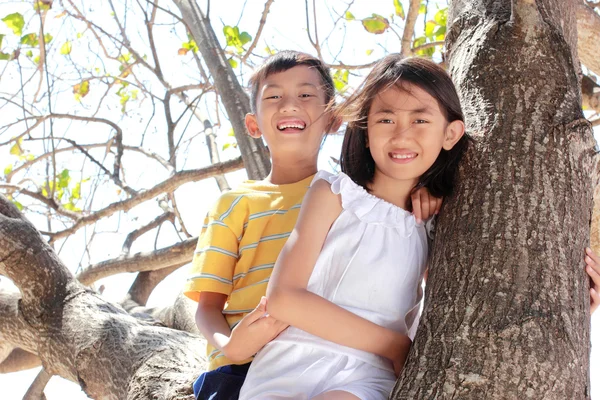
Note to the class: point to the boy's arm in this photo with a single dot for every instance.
(290, 302)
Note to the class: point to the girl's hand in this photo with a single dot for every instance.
(593, 269)
(424, 205)
(254, 331)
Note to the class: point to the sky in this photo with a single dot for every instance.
(286, 28)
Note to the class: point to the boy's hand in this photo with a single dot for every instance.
(593, 269)
(400, 352)
(254, 331)
(424, 205)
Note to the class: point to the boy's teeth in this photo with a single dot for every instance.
(296, 126)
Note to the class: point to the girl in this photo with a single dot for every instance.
(348, 279)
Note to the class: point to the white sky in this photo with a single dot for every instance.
(286, 28)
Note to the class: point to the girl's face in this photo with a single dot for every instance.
(406, 132)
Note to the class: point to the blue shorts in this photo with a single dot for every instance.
(223, 383)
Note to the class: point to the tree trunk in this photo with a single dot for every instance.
(507, 301)
(235, 100)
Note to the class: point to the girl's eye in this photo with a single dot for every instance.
(305, 95)
(386, 121)
(420, 121)
(272, 97)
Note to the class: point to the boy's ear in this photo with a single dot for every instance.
(336, 122)
(252, 126)
(454, 131)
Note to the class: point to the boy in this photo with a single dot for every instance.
(246, 229)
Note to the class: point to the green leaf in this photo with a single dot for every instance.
(422, 9)
(30, 39)
(81, 89)
(15, 22)
(245, 38)
(65, 48)
(16, 149)
(232, 35)
(233, 63)
(376, 24)
(1, 38)
(231, 132)
(429, 27)
(4, 56)
(441, 16)
(8, 169)
(399, 9)
(48, 38)
(440, 34)
(369, 52)
(19, 205)
(349, 16)
(226, 146)
(76, 192)
(41, 5)
(29, 53)
(63, 179)
(340, 79)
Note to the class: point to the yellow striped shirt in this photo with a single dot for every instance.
(241, 238)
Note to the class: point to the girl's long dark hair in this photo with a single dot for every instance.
(356, 160)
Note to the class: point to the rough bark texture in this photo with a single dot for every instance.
(235, 100)
(112, 355)
(507, 309)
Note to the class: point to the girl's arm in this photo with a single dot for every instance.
(289, 301)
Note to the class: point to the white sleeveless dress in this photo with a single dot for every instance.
(372, 264)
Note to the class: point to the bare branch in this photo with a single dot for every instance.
(427, 46)
(50, 202)
(177, 254)
(588, 37)
(409, 27)
(165, 186)
(352, 67)
(19, 360)
(590, 94)
(36, 390)
(132, 236)
(146, 281)
(263, 20)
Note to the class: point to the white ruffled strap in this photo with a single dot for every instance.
(365, 206)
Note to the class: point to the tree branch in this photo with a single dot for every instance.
(50, 202)
(165, 186)
(588, 37)
(263, 20)
(132, 236)
(409, 27)
(19, 360)
(36, 390)
(177, 254)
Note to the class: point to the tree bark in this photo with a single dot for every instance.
(507, 309)
(235, 100)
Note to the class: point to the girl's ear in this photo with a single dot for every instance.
(454, 131)
(252, 126)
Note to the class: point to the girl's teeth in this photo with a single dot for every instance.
(282, 127)
(403, 156)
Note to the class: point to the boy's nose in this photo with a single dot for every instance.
(289, 104)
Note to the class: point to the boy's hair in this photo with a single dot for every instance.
(283, 61)
(394, 70)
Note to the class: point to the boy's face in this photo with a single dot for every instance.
(290, 113)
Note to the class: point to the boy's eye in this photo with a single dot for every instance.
(420, 121)
(272, 97)
(386, 121)
(306, 95)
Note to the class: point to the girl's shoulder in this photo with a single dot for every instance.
(367, 207)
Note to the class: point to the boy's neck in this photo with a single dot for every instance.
(283, 173)
(393, 191)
